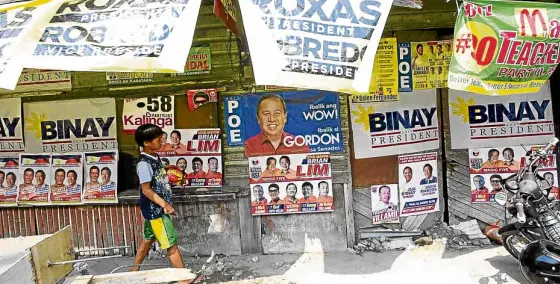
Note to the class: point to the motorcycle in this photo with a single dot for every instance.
(531, 203)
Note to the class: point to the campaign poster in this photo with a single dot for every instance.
(9, 171)
(67, 179)
(499, 121)
(32, 80)
(424, 65)
(384, 129)
(198, 98)
(154, 110)
(385, 203)
(419, 193)
(296, 183)
(11, 130)
(488, 166)
(34, 179)
(329, 47)
(70, 126)
(154, 36)
(285, 123)
(384, 79)
(128, 78)
(199, 62)
(100, 177)
(197, 153)
(226, 11)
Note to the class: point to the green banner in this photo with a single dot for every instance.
(504, 47)
(198, 63)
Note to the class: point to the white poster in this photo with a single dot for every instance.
(67, 179)
(17, 27)
(90, 35)
(155, 110)
(34, 179)
(418, 184)
(11, 131)
(326, 45)
(100, 177)
(385, 203)
(70, 126)
(499, 121)
(9, 171)
(32, 80)
(384, 129)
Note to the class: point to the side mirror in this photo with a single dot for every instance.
(501, 198)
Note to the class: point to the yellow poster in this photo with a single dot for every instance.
(384, 79)
(430, 64)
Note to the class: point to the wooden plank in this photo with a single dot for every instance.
(3, 232)
(165, 275)
(251, 239)
(55, 248)
(349, 210)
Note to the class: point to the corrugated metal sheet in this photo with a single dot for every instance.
(458, 182)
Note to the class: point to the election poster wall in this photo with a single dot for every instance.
(34, 179)
(381, 129)
(488, 165)
(70, 126)
(326, 45)
(500, 47)
(152, 36)
(100, 177)
(32, 80)
(66, 179)
(384, 79)
(423, 65)
(419, 193)
(198, 98)
(385, 203)
(11, 130)
(199, 62)
(492, 121)
(197, 153)
(296, 183)
(294, 122)
(155, 110)
(9, 171)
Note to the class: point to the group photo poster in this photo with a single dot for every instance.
(197, 153)
(67, 179)
(487, 166)
(100, 177)
(424, 65)
(385, 204)
(9, 171)
(155, 110)
(419, 193)
(284, 123)
(34, 179)
(384, 129)
(478, 121)
(294, 183)
(11, 130)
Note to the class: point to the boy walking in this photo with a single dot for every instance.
(155, 198)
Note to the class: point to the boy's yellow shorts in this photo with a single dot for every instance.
(162, 230)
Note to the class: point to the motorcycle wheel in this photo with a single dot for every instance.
(514, 244)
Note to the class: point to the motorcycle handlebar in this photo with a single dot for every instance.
(520, 212)
(549, 146)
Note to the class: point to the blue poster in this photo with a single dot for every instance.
(285, 123)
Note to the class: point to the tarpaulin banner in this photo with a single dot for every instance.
(11, 130)
(384, 129)
(197, 98)
(419, 193)
(385, 203)
(284, 123)
(424, 65)
(70, 126)
(19, 25)
(155, 110)
(32, 80)
(100, 176)
(488, 166)
(289, 183)
(487, 121)
(67, 174)
(150, 36)
(326, 45)
(34, 179)
(197, 153)
(384, 80)
(504, 47)
(125, 78)
(199, 62)
(9, 171)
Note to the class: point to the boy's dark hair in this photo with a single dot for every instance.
(147, 132)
